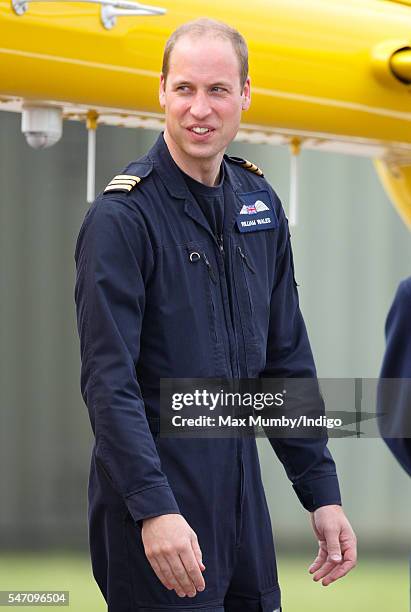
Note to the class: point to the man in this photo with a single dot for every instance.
(394, 395)
(177, 279)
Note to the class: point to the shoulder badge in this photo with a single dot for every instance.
(246, 164)
(126, 182)
(122, 182)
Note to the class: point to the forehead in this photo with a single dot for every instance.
(205, 56)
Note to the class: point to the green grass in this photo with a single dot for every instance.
(376, 585)
(65, 572)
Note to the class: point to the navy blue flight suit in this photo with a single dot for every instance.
(147, 310)
(397, 365)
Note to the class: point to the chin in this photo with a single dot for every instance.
(200, 151)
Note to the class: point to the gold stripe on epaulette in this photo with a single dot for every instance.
(127, 176)
(252, 167)
(128, 181)
(119, 186)
(123, 182)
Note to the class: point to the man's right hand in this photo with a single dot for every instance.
(172, 548)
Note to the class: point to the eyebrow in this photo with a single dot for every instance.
(217, 84)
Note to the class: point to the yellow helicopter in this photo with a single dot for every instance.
(330, 75)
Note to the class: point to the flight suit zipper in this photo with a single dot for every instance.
(246, 320)
(209, 268)
(227, 311)
(247, 263)
(213, 280)
(220, 244)
(245, 259)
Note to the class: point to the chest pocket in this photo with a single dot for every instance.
(202, 268)
(183, 313)
(244, 291)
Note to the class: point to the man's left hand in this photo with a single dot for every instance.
(337, 553)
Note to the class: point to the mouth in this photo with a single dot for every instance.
(200, 132)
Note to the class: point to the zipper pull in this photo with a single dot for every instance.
(245, 259)
(221, 244)
(210, 269)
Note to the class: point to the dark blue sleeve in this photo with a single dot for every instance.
(397, 365)
(307, 461)
(114, 260)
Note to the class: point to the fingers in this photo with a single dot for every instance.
(165, 575)
(328, 567)
(333, 545)
(169, 569)
(192, 568)
(338, 547)
(186, 564)
(340, 571)
(349, 561)
(319, 560)
(173, 552)
(197, 551)
(328, 555)
(180, 572)
(333, 570)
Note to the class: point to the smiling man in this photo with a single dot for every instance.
(184, 270)
(203, 100)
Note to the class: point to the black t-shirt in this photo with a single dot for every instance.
(210, 200)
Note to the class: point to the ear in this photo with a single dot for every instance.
(246, 95)
(162, 93)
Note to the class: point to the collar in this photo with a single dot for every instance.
(198, 188)
(171, 175)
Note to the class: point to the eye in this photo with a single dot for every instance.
(183, 88)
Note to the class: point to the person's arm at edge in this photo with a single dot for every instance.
(394, 395)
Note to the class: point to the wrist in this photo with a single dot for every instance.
(151, 519)
(337, 507)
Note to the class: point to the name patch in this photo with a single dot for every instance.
(257, 212)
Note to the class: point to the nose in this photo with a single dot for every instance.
(200, 106)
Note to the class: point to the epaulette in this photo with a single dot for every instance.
(127, 182)
(122, 182)
(246, 164)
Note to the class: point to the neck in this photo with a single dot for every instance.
(204, 171)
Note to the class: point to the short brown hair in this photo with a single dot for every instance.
(201, 27)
